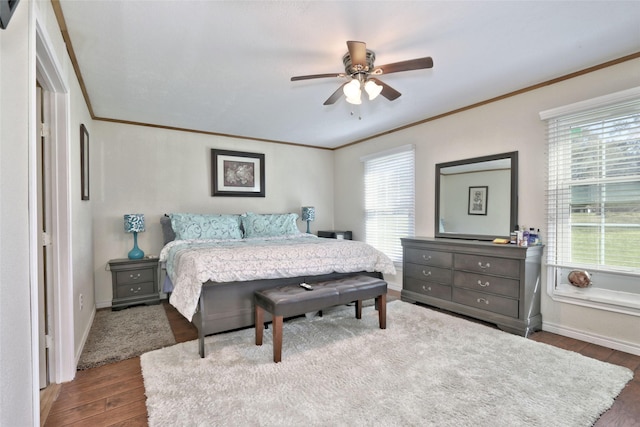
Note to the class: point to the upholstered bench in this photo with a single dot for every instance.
(294, 300)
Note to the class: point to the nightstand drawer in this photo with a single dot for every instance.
(134, 290)
(135, 276)
(487, 302)
(429, 273)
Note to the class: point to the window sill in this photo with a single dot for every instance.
(602, 299)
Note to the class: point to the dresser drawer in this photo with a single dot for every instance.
(135, 289)
(492, 284)
(135, 276)
(428, 257)
(487, 265)
(428, 288)
(427, 272)
(487, 302)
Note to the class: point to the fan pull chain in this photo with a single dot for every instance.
(353, 113)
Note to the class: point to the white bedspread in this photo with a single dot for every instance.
(190, 263)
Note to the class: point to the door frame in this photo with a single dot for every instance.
(48, 72)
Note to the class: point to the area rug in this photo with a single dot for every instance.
(123, 334)
(426, 369)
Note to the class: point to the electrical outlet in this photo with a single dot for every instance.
(81, 300)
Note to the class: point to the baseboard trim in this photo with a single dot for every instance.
(85, 336)
(601, 340)
(394, 286)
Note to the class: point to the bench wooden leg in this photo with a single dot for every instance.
(381, 301)
(259, 324)
(277, 338)
(359, 309)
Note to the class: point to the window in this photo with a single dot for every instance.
(593, 198)
(389, 192)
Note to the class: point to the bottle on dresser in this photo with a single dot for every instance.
(524, 241)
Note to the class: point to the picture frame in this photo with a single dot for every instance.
(237, 174)
(478, 198)
(84, 163)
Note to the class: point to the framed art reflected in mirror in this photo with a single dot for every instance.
(478, 199)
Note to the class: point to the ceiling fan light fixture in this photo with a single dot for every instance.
(352, 89)
(373, 89)
(354, 101)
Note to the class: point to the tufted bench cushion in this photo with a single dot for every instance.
(293, 300)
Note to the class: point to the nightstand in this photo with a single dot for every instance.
(340, 235)
(134, 281)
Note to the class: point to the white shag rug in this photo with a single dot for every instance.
(123, 334)
(426, 369)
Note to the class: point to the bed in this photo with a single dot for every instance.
(214, 263)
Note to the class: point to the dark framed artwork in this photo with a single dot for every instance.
(478, 197)
(235, 173)
(84, 162)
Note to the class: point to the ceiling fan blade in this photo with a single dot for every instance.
(387, 91)
(317, 76)
(335, 95)
(412, 64)
(358, 53)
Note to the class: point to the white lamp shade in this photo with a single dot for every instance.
(372, 89)
(355, 101)
(352, 89)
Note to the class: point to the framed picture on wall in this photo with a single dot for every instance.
(235, 173)
(478, 197)
(84, 163)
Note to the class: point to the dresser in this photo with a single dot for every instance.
(495, 283)
(134, 282)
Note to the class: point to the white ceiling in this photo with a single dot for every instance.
(225, 66)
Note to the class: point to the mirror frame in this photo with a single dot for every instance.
(513, 156)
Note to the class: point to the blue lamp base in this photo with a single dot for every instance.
(136, 252)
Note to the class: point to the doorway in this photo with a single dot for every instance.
(45, 248)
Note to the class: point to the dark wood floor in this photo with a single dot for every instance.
(113, 395)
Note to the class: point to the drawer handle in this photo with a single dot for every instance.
(135, 291)
(424, 288)
(483, 300)
(136, 277)
(426, 258)
(487, 265)
(426, 273)
(484, 285)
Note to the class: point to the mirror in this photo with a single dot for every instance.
(477, 198)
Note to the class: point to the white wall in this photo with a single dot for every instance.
(16, 356)
(155, 171)
(512, 124)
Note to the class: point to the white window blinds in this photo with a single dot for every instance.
(593, 198)
(389, 180)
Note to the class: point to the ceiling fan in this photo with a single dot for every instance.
(360, 72)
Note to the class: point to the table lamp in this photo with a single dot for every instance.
(308, 214)
(134, 223)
